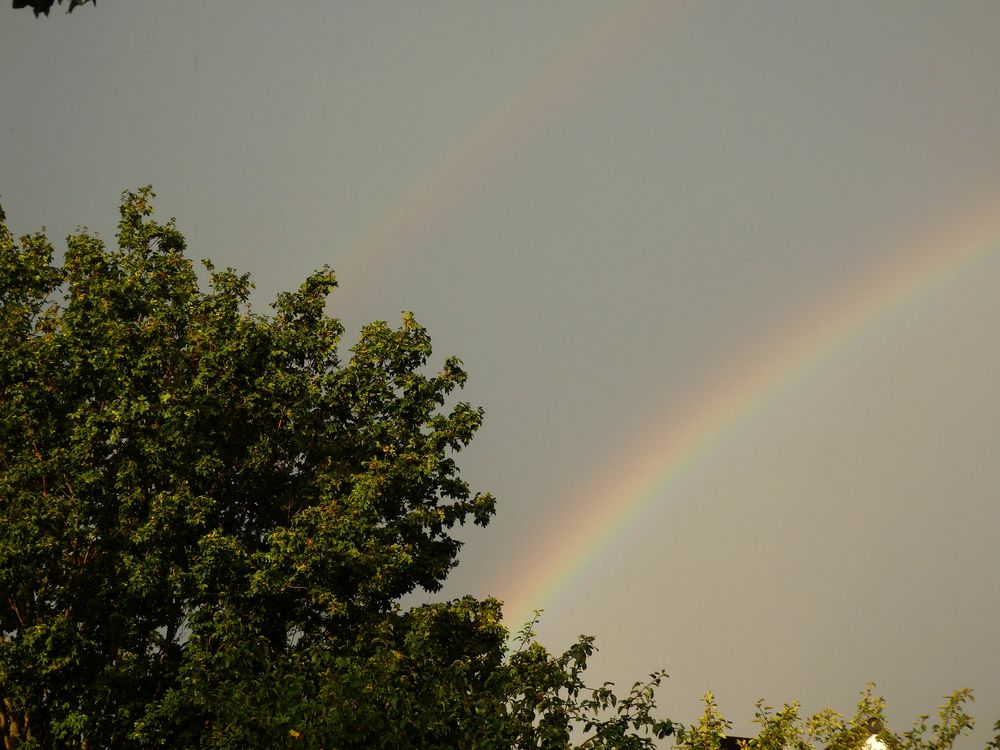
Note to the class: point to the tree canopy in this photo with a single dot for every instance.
(786, 728)
(42, 7)
(208, 518)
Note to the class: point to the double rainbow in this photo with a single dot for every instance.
(642, 477)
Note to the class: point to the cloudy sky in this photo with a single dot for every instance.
(724, 276)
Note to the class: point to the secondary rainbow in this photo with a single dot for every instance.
(641, 477)
(610, 35)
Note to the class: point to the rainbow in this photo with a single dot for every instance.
(639, 481)
(606, 38)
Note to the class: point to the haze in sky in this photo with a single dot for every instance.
(724, 277)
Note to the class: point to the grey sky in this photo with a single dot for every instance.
(600, 208)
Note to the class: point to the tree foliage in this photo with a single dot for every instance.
(42, 7)
(787, 729)
(208, 518)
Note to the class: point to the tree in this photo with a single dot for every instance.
(42, 7)
(207, 520)
(786, 729)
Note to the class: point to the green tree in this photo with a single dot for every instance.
(786, 729)
(208, 518)
(42, 7)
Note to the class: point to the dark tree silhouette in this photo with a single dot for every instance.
(42, 7)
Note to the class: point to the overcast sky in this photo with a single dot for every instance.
(607, 211)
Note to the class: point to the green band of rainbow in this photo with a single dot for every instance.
(639, 481)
